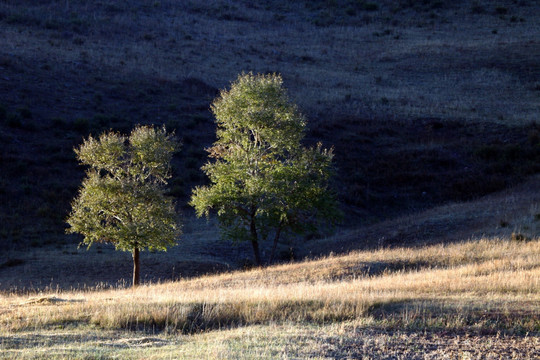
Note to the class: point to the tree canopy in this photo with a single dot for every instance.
(263, 182)
(122, 200)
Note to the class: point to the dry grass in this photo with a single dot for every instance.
(480, 278)
(488, 286)
(448, 63)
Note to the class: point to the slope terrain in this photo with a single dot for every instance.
(470, 298)
(432, 108)
(425, 102)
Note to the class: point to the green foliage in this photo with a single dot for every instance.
(122, 198)
(263, 181)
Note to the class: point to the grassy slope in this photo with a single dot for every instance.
(478, 297)
(454, 300)
(201, 251)
(425, 103)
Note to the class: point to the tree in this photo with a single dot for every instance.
(122, 199)
(263, 182)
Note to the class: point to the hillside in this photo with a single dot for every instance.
(432, 108)
(473, 298)
(425, 102)
(513, 213)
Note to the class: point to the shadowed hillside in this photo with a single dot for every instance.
(425, 102)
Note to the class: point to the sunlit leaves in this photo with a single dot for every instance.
(263, 182)
(122, 199)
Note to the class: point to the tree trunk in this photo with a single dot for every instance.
(274, 246)
(136, 267)
(255, 242)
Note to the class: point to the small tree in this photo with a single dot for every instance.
(122, 198)
(264, 183)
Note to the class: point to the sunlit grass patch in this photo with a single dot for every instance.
(366, 303)
(481, 285)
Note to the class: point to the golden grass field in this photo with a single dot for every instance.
(488, 287)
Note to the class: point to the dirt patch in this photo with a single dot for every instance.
(375, 344)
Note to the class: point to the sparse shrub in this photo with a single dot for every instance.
(501, 10)
(44, 211)
(14, 121)
(488, 152)
(113, 8)
(13, 262)
(35, 243)
(533, 137)
(307, 59)
(52, 24)
(478, 9)
(81, 125)
(504, 223)
(370, 6)
(78, 41)
(3, 113)
(21, 19)
(58, 122)
(324, 18)
(25, 113)
(519, 237)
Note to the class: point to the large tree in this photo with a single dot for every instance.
(263, 182)
(122, 199)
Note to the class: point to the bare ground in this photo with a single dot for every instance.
(297, 343)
